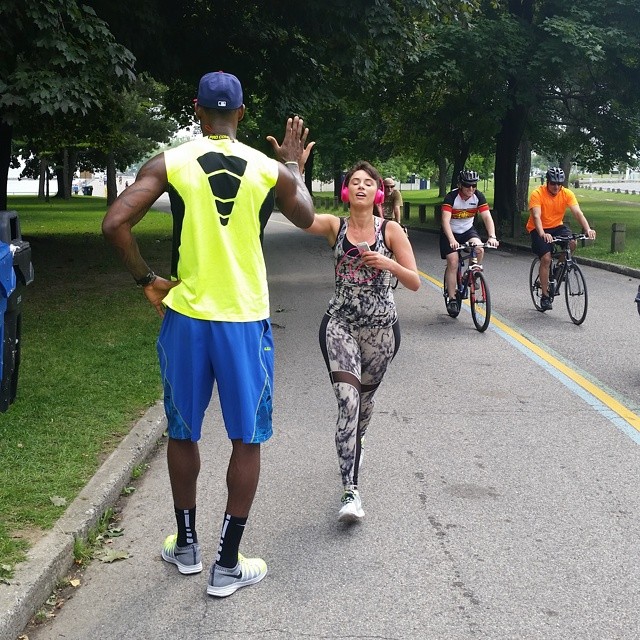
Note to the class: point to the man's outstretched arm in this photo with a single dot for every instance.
(292, 195)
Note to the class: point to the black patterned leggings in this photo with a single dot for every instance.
(357, 359)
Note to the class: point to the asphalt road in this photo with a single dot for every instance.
(500, 494)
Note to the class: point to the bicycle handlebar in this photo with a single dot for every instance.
(573, 236)
(467, 246)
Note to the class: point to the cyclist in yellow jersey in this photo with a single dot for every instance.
(547, 206)
(215, 307)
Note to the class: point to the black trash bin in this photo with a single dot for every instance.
(23, 270)
(87, 190)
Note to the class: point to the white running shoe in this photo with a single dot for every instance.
(351, 510)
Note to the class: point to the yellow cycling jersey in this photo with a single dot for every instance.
(217, 189)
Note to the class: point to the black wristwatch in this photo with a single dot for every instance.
(146, 280)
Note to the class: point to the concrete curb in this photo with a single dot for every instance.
(51, 558)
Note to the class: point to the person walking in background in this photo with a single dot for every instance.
(215, 308)
(459, 210)
(547, 206)
(360, 334)
(391, 207)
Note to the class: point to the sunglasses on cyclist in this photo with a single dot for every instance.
(555, 184)
(464, 184)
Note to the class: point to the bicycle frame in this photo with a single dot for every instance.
(470, 283)
(558, 270)
(463, 275)
(562, 270)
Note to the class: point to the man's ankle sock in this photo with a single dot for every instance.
(186, 520)
(230, 536)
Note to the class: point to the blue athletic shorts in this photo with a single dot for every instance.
(238, 356)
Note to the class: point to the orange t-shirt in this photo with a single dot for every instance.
(552, 208)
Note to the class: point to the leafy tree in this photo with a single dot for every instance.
(130, 124)
(57, 57)
(590, 114)
(573, 87)
(319, 60)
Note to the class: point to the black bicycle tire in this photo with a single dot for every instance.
(534, 283)
(575, 318)
(481, 322)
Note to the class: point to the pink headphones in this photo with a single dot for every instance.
(379, 197)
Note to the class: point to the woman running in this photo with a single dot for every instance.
(359, 334)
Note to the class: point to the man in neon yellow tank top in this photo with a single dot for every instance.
(215, 308)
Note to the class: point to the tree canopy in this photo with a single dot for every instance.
(434, 81)
(56, 58)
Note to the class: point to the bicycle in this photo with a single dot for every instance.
(638, 299)
(565, 270)
(471, 284)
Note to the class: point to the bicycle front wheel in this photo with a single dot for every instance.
(575, 294)
(480, 301)
(534, 283)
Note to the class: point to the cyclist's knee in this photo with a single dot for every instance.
(545, 259)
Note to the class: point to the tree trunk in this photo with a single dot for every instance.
(524, 171)
(60, 180)
(5, 158)
(337, 184)
(112, 188)
(506, 212)
(565, 164)
(308, 172)
(73, 157)
(66, 175)
(442, 176)
(460, 162)
(42, 177)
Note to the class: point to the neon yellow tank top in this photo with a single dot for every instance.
(217, 188)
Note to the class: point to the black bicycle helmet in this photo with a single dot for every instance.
(467, 177)
(555, 174)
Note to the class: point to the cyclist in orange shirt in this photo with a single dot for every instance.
(547, 206)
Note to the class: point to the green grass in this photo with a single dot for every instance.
(88, 366)
(601, 208)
